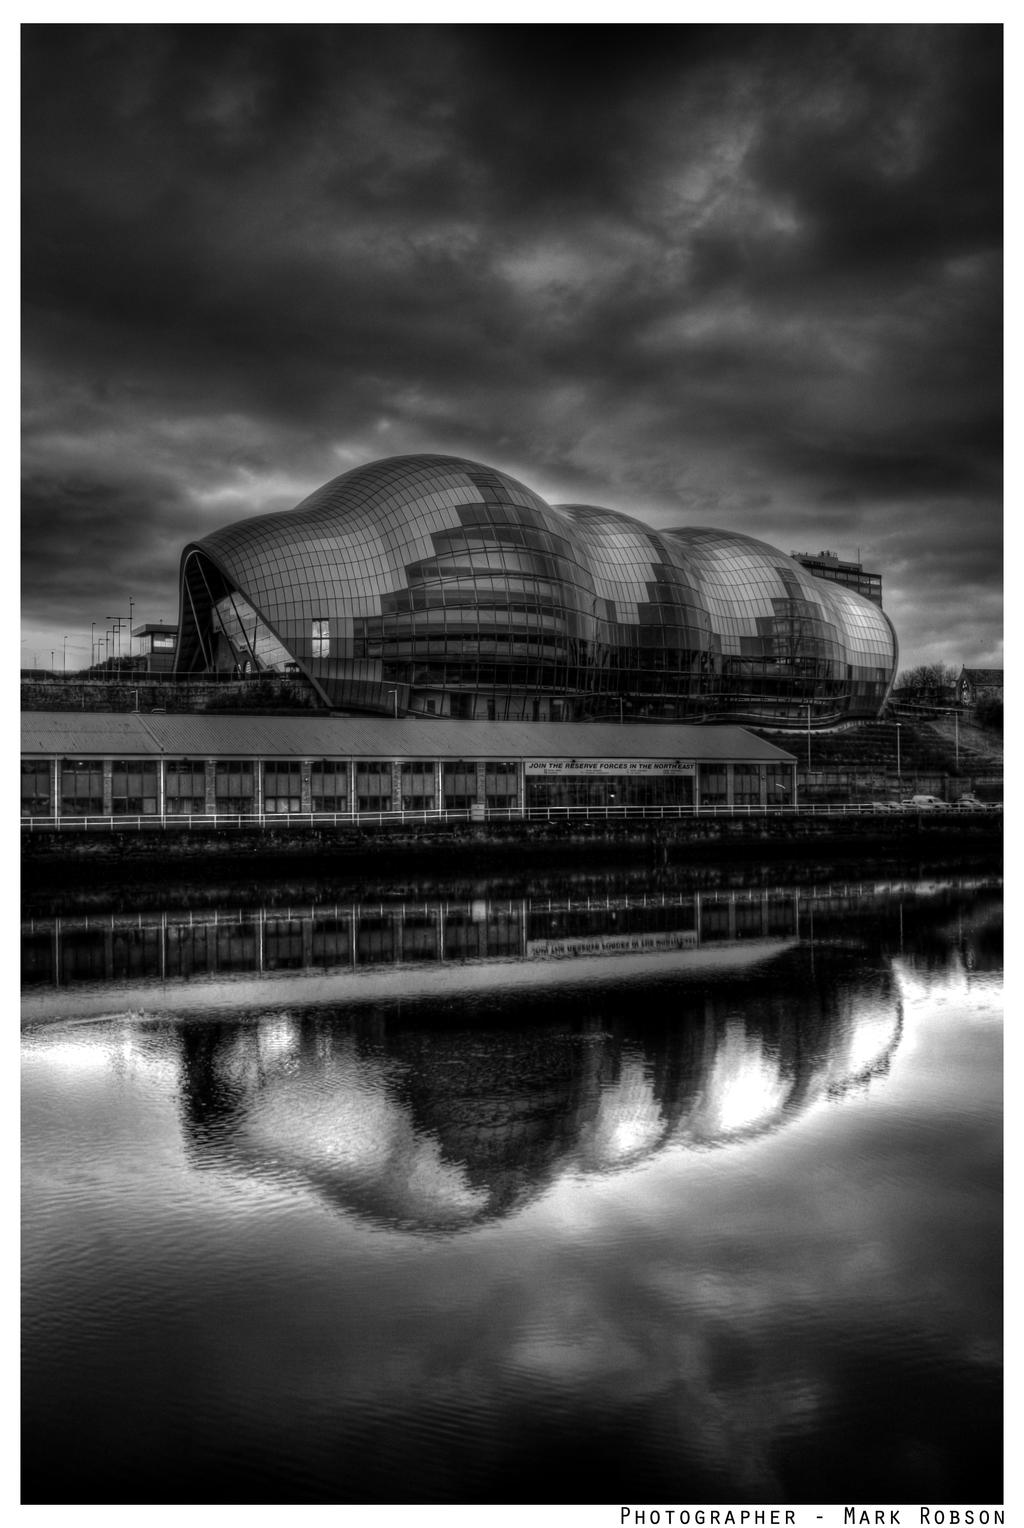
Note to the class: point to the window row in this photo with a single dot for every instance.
(133, 787)
(91, 788)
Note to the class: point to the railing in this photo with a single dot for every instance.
(242, 820)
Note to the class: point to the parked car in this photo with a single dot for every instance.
(885, 806)
(926, 803)
(970, 803)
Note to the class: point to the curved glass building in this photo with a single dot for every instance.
(434, 585)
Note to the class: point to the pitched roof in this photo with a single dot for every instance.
(113, 734)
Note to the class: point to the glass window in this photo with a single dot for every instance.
(234, 785)
(779, 783)
(81, 787)
(321, 638)
(501, 785)
(746, 786)
(418, 786)
(459, 784)
(184, 786)
(373, 787)
(329, 786)
(35, 788)
(134, 787)
(714, 787)
(282, 787)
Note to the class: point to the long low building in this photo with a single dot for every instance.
(178, 766)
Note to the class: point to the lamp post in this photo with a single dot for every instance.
(899, 772)
(117, 619)
(131, 607)
(65, 653)
(808, 737)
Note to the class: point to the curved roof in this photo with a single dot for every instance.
(439, 575)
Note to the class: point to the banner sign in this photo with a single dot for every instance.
(610, 766)
(609, 944)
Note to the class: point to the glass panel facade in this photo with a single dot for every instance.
(433, 585)
(36, 788)
(240, 642)
(321, 641)
(373, 787)
(81, 788)
(235, 785)
(746, 785)
(459, 785)
(328, 786)
(134, 787)
(418, 794)
(714, 784)
(609, 790)
(184, 786)
(501, 785)
(282, 787)
(778, 785)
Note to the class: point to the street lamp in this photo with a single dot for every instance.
(131, 607)
(899, 772)
(92, 646)
(808, 737)
(65, 654)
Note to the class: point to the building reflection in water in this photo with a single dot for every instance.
(436, 1125)
(436, 1112)
(435, 1119)
(188, 945)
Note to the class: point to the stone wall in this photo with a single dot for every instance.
(148, 693)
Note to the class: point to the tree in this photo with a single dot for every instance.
(931, 683)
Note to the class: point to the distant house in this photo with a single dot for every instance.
(979, 684)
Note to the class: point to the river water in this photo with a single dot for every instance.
(591, 1189)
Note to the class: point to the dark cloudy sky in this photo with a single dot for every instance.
(740, 276)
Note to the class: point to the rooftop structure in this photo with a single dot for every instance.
(157, 642)
(851, 575)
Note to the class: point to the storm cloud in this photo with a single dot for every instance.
(738, 276)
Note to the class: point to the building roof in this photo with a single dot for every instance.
(102, 734)
(983, 676)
